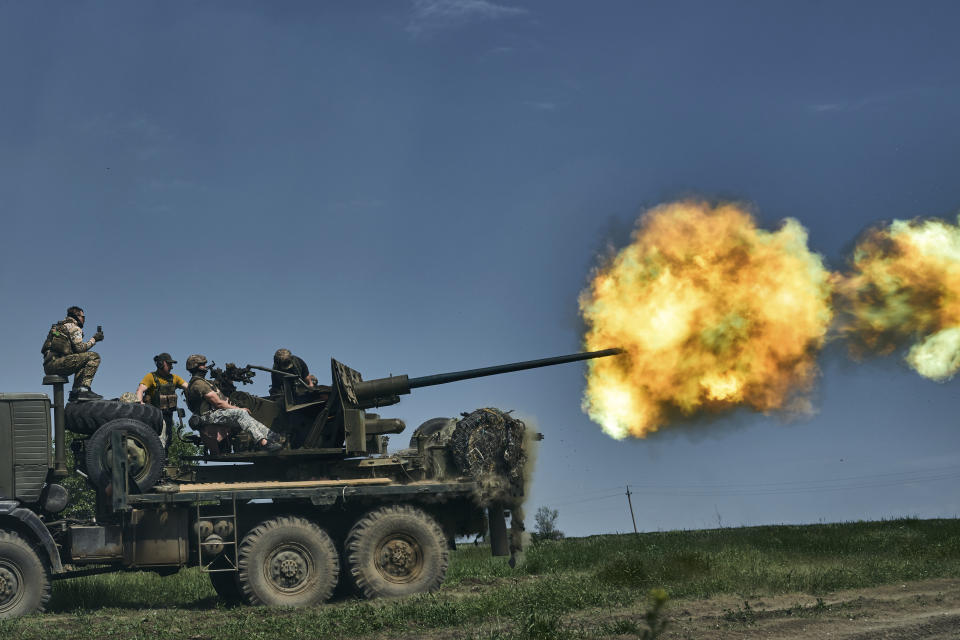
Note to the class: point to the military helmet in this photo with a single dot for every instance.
(195, 361)
(283, 358)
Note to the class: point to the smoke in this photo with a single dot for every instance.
(519, 537)
(713, 313)
(904, 290)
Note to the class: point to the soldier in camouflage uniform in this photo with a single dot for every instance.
(65, 352)
(216, 415)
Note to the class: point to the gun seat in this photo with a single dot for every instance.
(55, 380)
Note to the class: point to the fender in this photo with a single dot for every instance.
(36, 526)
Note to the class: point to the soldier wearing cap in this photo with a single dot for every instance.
(159, 388)
(216, 416)
(284, 360)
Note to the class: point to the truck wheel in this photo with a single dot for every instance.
(396, 551)
(289, 562)
(225, 584)
(145, 455)
(24, 578)
(87, 417)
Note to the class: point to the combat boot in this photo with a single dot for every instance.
(270, 447)
(83, 394)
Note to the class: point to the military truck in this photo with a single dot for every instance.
(333, 510)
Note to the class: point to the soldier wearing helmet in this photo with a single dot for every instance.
(159, 388)
(217, 416)
(284, 360)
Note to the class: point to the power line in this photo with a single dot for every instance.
(843, 483)
(593, 499)
(786, 483)
(798, 487)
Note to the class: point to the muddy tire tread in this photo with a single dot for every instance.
(36, 563)
(359, 545)
(326, 551)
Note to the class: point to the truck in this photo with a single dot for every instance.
(332, 511)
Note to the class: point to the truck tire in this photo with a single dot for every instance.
(288, 562)
(145, 455)
(396, 551)
(24, 577)
(226, 585)
(87, 417)
(428, 428)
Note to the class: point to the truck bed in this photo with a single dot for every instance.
(280, 484)
(319, 492)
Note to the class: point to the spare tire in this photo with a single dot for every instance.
(87, 417)
(145, 455)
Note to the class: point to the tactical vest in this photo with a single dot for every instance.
(197, 395)
(58, 341)
(164, 393)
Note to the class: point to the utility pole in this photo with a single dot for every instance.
(630, 502)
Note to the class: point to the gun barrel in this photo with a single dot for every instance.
(443, 378)
(269, 370)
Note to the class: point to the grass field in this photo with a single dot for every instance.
(550, 594)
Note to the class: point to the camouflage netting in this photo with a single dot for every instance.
(488, 446)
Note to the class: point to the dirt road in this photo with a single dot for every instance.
(929, 609)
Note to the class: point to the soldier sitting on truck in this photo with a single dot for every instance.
(284, 360)
(65, 352)
(160, 389)
(214, 416)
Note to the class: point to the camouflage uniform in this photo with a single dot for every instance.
(248, 423)
(82, 361)
(215, 423)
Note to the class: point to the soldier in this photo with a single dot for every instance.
(65, 352)
(160, 388)
(283, 360)
(216, 415)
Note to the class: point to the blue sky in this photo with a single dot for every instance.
(420, 187)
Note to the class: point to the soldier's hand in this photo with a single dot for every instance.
(98, 336)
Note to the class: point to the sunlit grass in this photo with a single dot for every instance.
(486, 597)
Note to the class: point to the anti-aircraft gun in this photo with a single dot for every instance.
(331, 434)
(334, 420)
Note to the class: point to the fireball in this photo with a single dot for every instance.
(904, 289)
(712, 312)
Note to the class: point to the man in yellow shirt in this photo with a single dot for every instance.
(159, 388)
